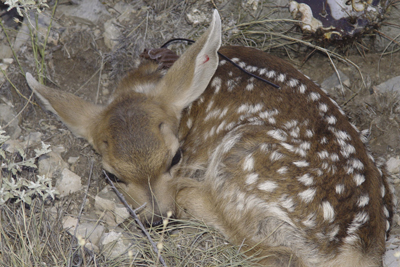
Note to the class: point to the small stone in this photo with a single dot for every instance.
(13, 146)
(113, 244)
(196, 17)
(68, 183)
(33, 138)
(121, 213)
(111, 34)
(72, 160)
(89, 231)
(87, 11)
(388, 86)
(51, 165)
(333, 82)
(106, 91)
(8, 116)
(393, 165)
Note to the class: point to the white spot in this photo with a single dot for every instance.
(342, 135)
(228, 144)
(357, 164)
(189, 123)
(230, 74)
(364, 136)
(212, 114)
(314, 96)
(347, 150)
(323, 154)
(220, 127)
(358, 179)
(351, 239)
(210, 104)
(387, 225)
(309, 133)
(306, 179)
(328, 211)
(290, 124)
(242, 65)
(267, 186)
(251, 178)
(334, 157)
(275, 156)
(235, 59)
(339, 189)
(265, 147)
(222, 62)
(288, 146)
(383, 191)
(262, 71)
(324, 140)
(308, 195)
(302, 88)
(363, 201)
(249, 87)
(293, 82)
(310, 220)
(230, 126)
(216, 83)
(301, 163)
(277, 134)
(250, 108)
(271, 74)
(223, 112)
(281, 77)
(331, 119)
(359, 219)
(248, 163)
(287, 203)
(282, 170)
(386, 212)
(333, 232)
(323, 107)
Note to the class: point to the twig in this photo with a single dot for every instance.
(136, 218)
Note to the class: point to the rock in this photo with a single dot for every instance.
(86, 12)
(113, 244)
(393, 165)
(72, 160)
(333, 82)
(196, 17)
(7, 116)
(13, 146)
(388, 86)
(68, 183)
(5, 51)
(33, 138)
(108, 203)
(125, 10)
(51, 165)
(111, 34)
(89, 231)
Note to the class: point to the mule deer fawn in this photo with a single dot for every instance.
(280, 170)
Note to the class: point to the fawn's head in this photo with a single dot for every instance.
(136, 134)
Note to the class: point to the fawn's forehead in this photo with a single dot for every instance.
(133, 126)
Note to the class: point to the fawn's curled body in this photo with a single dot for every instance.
(281, 171)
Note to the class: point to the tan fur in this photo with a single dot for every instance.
(279, 171)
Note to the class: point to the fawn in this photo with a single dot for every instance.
(280, 170)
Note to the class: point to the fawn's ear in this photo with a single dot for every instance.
(75, 112)
(189, 76)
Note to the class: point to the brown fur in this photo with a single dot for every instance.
(280, 171)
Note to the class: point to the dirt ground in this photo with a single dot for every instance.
(80, 62)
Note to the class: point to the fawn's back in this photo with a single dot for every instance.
(284, 167)
(280, 171)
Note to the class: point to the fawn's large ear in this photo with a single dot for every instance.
(189, 76)
(75, 112)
